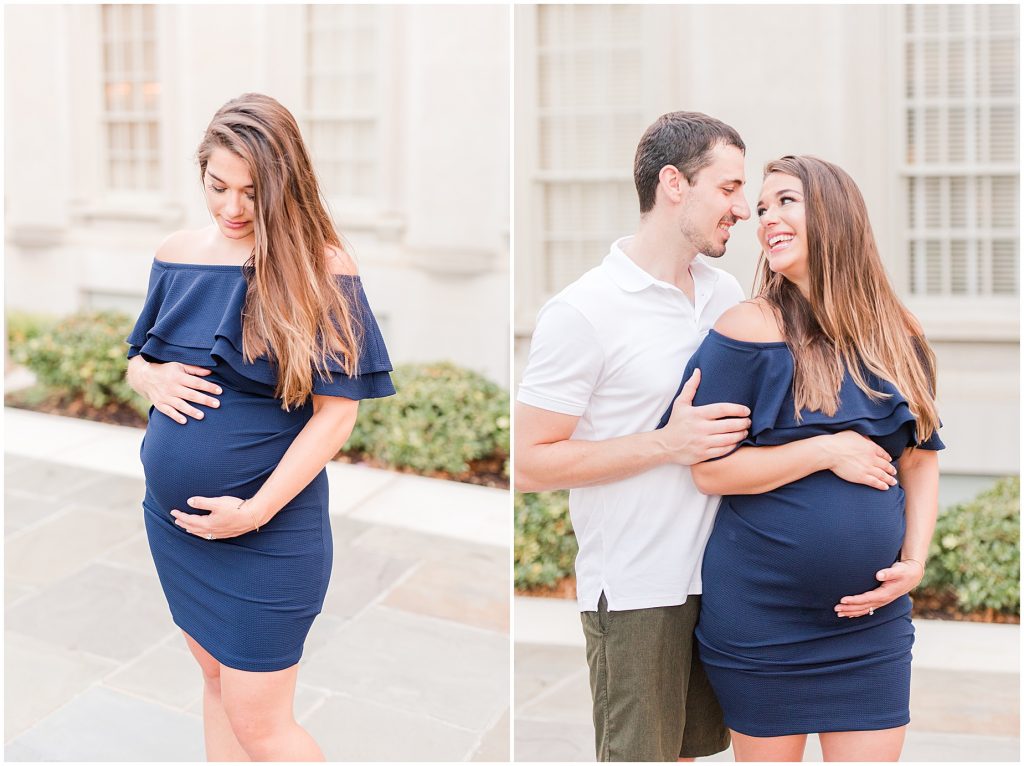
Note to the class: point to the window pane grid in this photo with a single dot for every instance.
(342, 119)
(961, 131)
(589, 114)
(131, 97)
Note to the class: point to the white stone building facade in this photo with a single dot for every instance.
(405, 109)
(918, 103)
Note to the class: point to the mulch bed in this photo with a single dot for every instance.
(943, 607)
(53, 404)
(926, 606)
(486, 473)
(564, 588)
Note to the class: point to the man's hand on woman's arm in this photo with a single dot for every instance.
(171, 386)
(548, 458)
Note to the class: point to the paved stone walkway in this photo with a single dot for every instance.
(408, 661)
(965, 692)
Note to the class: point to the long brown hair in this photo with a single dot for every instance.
(295, 312)
(852, 319)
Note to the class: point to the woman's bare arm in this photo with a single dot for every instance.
(755, 470)
(319, 440)
(919, 475)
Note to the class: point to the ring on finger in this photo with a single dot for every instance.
(871, 611)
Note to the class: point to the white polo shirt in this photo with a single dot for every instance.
(611, 349)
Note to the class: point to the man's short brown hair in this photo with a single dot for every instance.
(682, 139)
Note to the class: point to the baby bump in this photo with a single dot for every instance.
(230, 451)
(807, 543)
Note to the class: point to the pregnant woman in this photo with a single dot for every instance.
(254, 345)
(795, 632)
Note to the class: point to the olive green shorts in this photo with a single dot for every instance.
(652, 700)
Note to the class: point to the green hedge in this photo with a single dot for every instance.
(975, 553)
(545, 546)
(22, 327)
(81, 355)
(443, 418)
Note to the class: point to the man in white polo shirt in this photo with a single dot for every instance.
(605, 361)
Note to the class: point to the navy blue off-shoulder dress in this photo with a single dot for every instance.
(778, 657)
(248, 600)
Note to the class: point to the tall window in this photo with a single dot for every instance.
(589, 115)
(343, 97)
(961, 158)
(131, 98)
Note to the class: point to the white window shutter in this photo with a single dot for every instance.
(962, 115)
(131, 97)
(589, 113)
(343, 97)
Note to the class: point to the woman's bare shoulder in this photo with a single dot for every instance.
(754, 321)
(185, 246)
(340, 262)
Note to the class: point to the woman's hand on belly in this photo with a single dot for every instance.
(171, 386)
(859, 460)
(897, 580)
(228, 517)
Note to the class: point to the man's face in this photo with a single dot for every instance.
(714, 202)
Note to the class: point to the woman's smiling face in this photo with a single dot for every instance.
(782, 226)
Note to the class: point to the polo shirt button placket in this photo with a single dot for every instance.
(618, 306)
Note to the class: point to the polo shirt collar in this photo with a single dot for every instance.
(631, 278)
(701, 271)
(624, 272)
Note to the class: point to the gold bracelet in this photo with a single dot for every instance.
(252, 515)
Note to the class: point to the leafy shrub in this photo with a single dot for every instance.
(545, 546)
(975, 552)
(22, 327)
(81, 355)
(443, 418)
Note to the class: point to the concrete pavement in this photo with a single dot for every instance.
(410, 658)
(408, 661)
(965, 692)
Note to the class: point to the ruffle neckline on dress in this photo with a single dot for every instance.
(193, 315)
